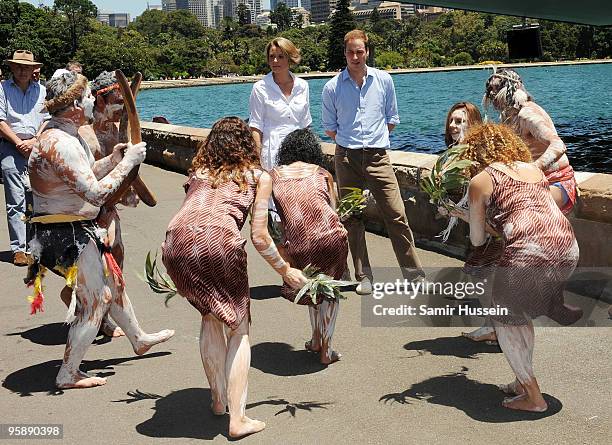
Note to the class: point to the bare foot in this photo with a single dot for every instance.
(309, 347)
(515, 388)
(328, 359)
(485, 333)
(83, 380)
(524, 403)
(149, 340)
(218, 408)
(110, 329)
(245, 426)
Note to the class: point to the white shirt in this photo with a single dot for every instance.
(276, 115)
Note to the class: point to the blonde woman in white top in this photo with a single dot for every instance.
(279, 103)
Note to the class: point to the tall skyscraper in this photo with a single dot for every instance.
(169, 5)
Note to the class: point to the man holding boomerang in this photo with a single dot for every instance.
(69, 188)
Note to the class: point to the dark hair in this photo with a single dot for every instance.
(228, 153)
(300, 145)
(104, 80)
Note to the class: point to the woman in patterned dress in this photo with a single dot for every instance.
(205, 257)
(305, 197)
(460, 118)
(509, 195)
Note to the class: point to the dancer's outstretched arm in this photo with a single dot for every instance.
(263, 241)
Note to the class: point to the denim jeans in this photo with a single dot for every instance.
(16, 194)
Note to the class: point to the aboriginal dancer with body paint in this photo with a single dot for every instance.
(204, 255)
(305, 197)
(505, 91)
(510, 196)
(69, 188)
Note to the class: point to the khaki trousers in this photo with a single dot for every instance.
(371, 169)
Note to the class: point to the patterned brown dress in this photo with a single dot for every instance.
(313, 232)
(540, 251)
(204, 252)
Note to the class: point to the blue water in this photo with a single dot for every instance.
(578, 98)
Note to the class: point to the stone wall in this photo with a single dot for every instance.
(172, 147)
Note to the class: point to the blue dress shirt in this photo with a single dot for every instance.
(23, 112)
(359, 116)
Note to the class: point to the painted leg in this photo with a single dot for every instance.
(92, 304)
(314, 344)
(517, 343)
(213, 350)
(108, 327)
(484, 333)
(123, 313)
(328, 312)
(237, 366)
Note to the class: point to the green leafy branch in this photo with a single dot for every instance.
(353, 203)
(159, 282)
(321, 284)
(447, 175)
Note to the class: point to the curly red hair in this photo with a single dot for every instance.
(489, 143)
(229, 153)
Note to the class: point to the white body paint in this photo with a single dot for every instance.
(65, 181)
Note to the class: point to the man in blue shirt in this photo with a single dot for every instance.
(21, 116)
(359, 111)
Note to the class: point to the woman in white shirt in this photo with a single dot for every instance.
(279, 102)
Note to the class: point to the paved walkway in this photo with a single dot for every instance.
(398, 385)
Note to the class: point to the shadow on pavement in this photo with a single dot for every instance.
(54, 334)
(480, 401)
(455, 346)
(265, 292)
(6, 256)
(281, 359)
(290, 407)
(41, 377)
(51, 334)
(184, 413)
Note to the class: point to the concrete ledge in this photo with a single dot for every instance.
(173, 147)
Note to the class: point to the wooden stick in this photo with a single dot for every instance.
(135, 137)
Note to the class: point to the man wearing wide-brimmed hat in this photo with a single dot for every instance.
(21, 116)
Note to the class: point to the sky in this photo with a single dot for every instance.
(133, 7)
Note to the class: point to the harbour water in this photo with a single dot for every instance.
(577, 97)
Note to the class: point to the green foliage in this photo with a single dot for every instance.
(244, 15)
(353, 203)
(341, 22)
(158, 281)
(389, 59)
(447, 174)
(320, 285)
(79, 13)
(464, 58)
(282, 17)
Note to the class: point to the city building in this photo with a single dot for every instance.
(114, 19)
(263, 20)
(320, 10)
(295, 12)
(386, 10)
(169, 5)
(154, 7)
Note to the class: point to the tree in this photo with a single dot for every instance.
(342, 21)
(282, 17)
(389, 59)
(78, 13)
(244, 15)
(183, 23)
(150, 24)
(9, 16)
